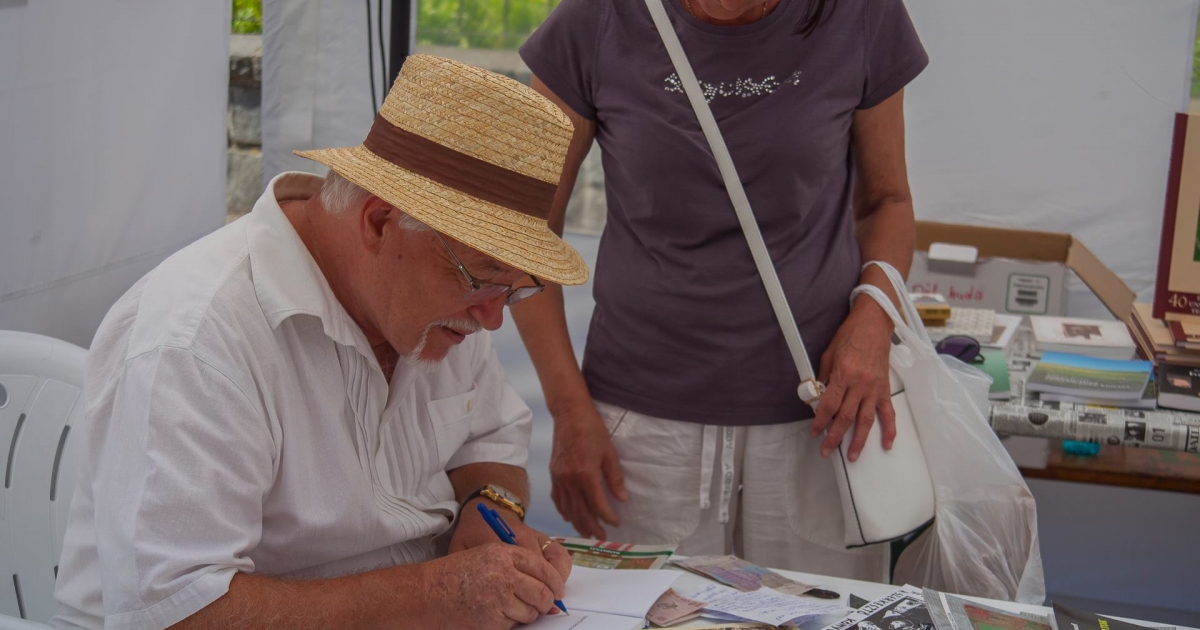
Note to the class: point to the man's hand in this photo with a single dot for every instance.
(473, 532)
(489, 587)
(583, 463)
(855, 371)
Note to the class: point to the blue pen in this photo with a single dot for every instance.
(506, 535)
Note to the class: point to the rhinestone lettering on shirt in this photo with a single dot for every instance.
(745, 88)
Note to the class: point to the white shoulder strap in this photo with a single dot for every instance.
(810, 390)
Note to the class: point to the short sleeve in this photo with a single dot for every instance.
(894, 55)
(502, 422)
(181, 469)
(562, 52)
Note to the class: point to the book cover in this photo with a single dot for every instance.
(1177, 286)
(1089, 377)
(995, 365)
(1094, 337)
(1067, 618)
(1149, 399)
(1179, 387)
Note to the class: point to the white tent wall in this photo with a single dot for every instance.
(112, 150)
(1052, 115)
(316, 90)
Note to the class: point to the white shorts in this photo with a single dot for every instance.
(763, 493)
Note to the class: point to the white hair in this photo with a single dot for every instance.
(339, 194)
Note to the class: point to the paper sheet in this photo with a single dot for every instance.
(581, 620)
(628, 593)
(765, 605)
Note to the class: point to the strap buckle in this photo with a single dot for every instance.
(810, 391)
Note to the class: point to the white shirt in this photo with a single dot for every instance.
(237, 420)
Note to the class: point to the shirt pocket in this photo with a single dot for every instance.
(451, 419)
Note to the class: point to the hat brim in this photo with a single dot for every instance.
(511, 237)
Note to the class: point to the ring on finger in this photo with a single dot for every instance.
(549, 541)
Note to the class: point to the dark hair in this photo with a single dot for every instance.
(813, 15)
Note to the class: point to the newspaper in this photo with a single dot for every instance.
(1162, 429)
(603, 554)
(901, 610)
(950, 612)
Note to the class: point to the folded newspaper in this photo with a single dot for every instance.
(903, 609)
(1162, 429)
(604, 554)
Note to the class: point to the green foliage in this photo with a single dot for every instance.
(503, 24)
(496, 24)
(247, 16)
(1196, 70)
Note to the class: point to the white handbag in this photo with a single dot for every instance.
(886, 495)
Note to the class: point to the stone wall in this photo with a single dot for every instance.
(244, 171)
(585, 213)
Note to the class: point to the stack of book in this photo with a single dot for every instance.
(1174, 346)
(1168, 330)
(1078, 379)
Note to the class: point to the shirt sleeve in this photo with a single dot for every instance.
(562, 52)
(502, 423)
(894, 55)
(182, 464)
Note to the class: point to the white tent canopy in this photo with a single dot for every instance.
(112, 150)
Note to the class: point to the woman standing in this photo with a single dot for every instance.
(684, 425)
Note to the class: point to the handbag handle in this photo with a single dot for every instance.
(810, 390)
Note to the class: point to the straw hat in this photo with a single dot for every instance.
(473, 155)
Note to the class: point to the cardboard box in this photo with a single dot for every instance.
(1016, 271)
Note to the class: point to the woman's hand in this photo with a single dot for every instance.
(584, 469)
(855, 371)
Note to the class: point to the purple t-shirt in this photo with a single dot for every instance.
(682, 327)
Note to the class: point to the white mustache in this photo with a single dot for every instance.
(464, 325)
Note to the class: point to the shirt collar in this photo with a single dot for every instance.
(286, 278)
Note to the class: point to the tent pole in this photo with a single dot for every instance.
(402, 38)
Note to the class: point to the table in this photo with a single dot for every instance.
(1151, 469)
(867, 590)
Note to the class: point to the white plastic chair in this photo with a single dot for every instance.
(41, 382)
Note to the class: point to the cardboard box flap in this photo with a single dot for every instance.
(1107, 285)
(997, 242)
(1027, 245)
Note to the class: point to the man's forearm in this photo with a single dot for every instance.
(386, 598)
(469, 478)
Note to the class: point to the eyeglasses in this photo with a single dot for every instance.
(963, 348)
(485, 291)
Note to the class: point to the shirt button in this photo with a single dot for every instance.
(470, 404)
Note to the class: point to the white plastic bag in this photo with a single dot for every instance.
(984, 538)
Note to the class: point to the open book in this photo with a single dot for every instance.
(605, 599)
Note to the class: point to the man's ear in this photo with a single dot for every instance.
(376, 220)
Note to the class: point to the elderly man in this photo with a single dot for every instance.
(286, 419)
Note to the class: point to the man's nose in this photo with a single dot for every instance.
(489, 314)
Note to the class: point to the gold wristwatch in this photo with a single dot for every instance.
(502, 497)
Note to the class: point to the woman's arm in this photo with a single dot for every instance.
(583, 462)
(855, 366)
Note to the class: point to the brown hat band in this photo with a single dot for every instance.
(462, 172)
